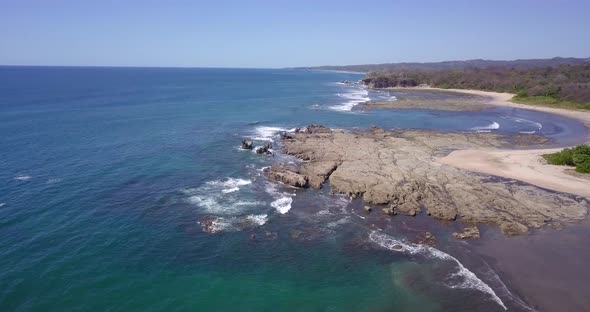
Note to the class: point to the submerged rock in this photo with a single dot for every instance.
(467, 233)
(513, 228)
(426, 239)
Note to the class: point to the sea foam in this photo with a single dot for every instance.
(221, 196)
(468, 278)
(265, 133)
(353, 98)
(493, 126)
(22, 178)
(283, 204)
(533, 124)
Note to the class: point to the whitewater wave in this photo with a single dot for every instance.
(2, 204)
(283, 204)
(23, 178)
(221, 196)
(354, 98)
(537, 125)
(266, 133)
(467, 279)
(493, 126)
(232, 224)
(282, 200)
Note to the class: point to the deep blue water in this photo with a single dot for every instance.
(106, 172)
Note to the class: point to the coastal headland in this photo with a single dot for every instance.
(479, 178)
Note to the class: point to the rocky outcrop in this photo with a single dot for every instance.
(313, 128)
(399, 169)
(286, 174)
(425, 239)
(247, 144)
(513, 228)
(467, 233)
(265, 149)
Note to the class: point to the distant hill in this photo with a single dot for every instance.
(454, 65)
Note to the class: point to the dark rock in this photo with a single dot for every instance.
(390, 211)
(247, 144)
(467, 233)
(313, 128)
(264, 149)
(286, 136)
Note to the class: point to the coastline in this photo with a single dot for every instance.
(520, 164)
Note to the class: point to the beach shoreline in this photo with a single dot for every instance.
(520, 164)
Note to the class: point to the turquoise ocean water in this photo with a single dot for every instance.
(108, 174)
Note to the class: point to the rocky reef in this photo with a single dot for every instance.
(398, 169)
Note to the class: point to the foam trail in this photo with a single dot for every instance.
(493, 126)
(257, 219)
(470, 280)
(264, 133)
(354, 98)
(22, 178)
(535, 124)
(283, 204)
(221, 196)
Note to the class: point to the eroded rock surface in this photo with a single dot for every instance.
(467, 233)
(398, 169)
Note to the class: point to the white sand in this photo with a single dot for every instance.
(524, 165)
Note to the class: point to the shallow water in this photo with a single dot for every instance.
(106, 172)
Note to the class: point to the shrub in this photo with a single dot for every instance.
(578, 156)
(563, 158)
(522, 93)
(581, 158)
(553, 91)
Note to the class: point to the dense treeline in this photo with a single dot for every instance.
(563, 83)
(451, 65)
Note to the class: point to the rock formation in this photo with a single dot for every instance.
(398, 169)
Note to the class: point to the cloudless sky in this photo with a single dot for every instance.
(275, 33)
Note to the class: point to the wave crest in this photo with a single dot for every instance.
(467, 278)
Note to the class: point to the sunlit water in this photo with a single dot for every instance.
(108, 174)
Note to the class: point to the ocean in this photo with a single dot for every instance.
(109, 177)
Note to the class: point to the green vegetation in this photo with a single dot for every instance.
(578, 156)
(549, 101)
(563, 86)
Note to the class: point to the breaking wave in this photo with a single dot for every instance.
(353, 98)
(467, 279)
(221, 196)
(533, 124)
(282, 200)
(265, 133)
(232, 224)
(493, 126)
(283, 204)
(22, 178)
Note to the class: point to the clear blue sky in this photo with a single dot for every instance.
(279, 33)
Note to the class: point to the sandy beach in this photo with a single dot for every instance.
(524, 165)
